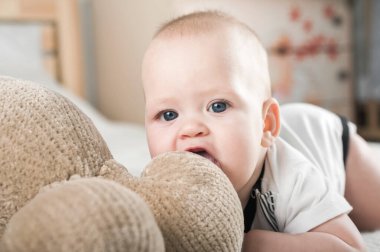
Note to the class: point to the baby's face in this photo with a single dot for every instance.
(200, 98)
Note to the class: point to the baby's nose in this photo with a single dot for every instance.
(194, 128)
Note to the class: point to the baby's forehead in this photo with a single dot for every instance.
(225, 32)
(227, 40)
(224, 28)
(238, 47)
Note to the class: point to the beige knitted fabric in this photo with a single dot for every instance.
(43, 138)
(88, 215)
(195, 205)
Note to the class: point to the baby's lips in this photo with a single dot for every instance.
(195, 149)
(204, 153)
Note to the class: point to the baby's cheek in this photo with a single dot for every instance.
(153, 143)
(160, 143)
(155, 147)
(243, 161)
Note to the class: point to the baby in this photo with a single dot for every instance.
(207, 90)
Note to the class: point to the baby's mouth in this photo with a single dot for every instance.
(205, 154)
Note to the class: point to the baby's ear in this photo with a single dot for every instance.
(271, 119)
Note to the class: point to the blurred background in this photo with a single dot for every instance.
(325, 52)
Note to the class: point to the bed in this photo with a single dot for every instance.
(40, 41)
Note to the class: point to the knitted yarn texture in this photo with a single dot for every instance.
(195, 204)
(43, 138)
(88, 215)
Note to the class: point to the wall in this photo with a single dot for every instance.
(309, 45)
(87, 36)
(122, 32)
(315, 36)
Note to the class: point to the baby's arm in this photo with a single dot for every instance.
(338, 234)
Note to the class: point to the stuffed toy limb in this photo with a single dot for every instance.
(195, 205)
(44, 138)
(182, 202)
(89, 214)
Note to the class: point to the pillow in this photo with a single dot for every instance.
(19, 42)
(21, 51)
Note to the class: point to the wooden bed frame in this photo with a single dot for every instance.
(368, 114)
(61, 36)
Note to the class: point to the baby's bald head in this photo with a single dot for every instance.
(243, 38)
(206, 85)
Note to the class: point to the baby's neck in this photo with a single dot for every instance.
(245, 192)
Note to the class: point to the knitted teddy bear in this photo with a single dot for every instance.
(61, 190)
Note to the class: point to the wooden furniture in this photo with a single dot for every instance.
(368, 119)
(61, 36)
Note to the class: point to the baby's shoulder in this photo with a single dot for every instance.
(286, 167)
(308, 122)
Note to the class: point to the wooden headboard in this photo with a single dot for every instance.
(61, 36)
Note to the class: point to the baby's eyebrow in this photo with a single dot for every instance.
(217, 91)
(228, 93)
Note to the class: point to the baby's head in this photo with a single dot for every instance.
(207, 90)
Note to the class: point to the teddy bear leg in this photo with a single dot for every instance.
(89, 214)
(195, 204)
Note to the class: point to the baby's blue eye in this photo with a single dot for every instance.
(218, 107)
(169, 115)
